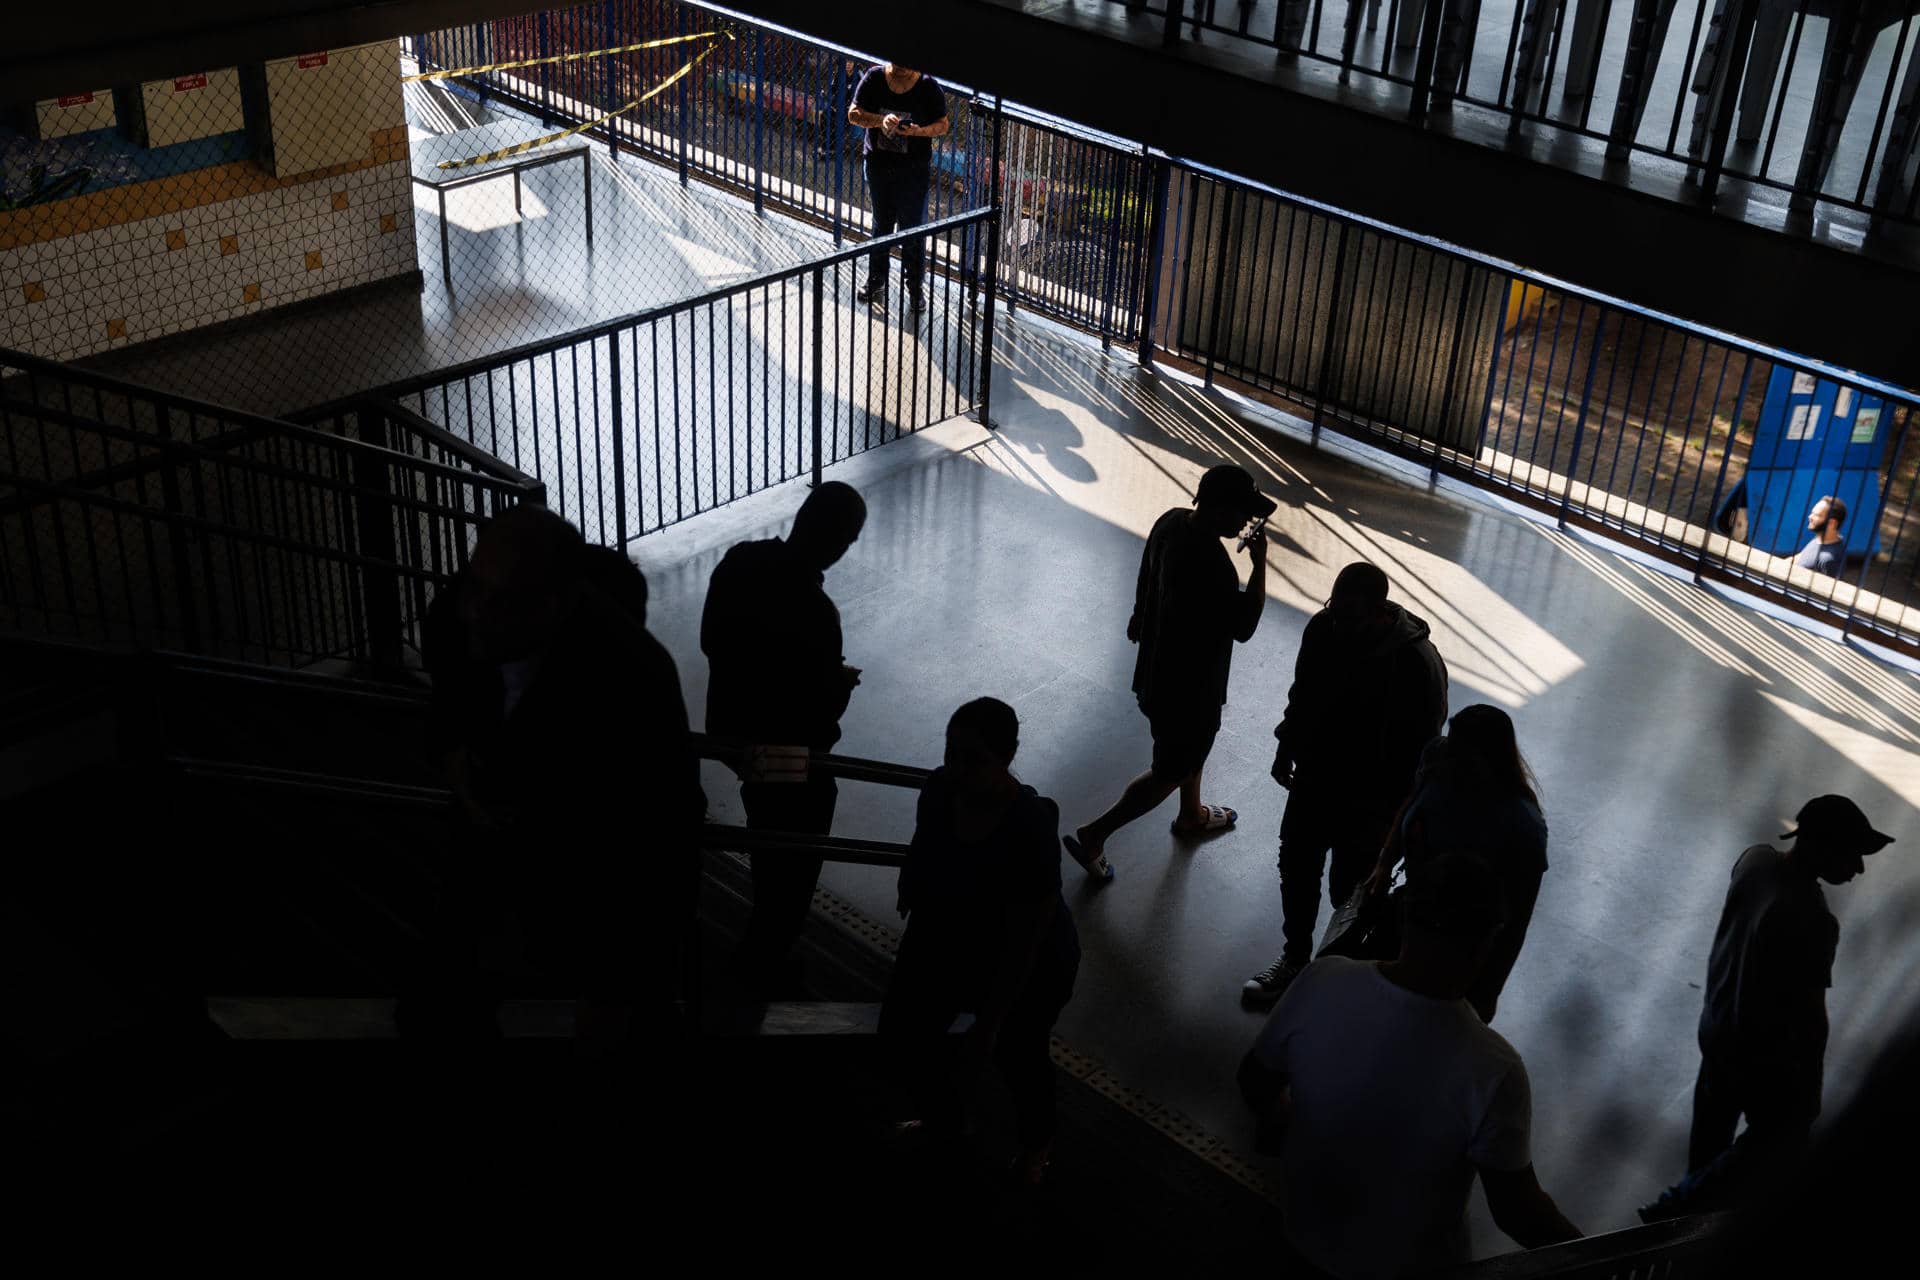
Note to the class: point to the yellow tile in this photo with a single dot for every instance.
(229, 245)
(389, 223)
(116, 328)
(339, 201)
(250, 293)
(313, 260)
(176, 239)
(35, 291)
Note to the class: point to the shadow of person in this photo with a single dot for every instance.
(1051, 434)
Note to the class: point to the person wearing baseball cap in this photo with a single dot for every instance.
(1188, 611)
(1763, 1031)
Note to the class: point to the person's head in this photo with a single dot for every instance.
(1454, 907)
(901, 76)
(619, 579)
(1832, 838)
(982, 738)
(1486, 734)
(1358, 603)
(525, 565)
(1227, 499)
(828, 522)
(1827, 516)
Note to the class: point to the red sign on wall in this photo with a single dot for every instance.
(76, 100)
(183, 83)
(307, 61)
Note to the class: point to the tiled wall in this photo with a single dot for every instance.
(133, 263)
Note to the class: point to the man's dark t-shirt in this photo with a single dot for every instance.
(772, 640)
(1829, 558)
(1188, 609)
(1771, 965)
(922, 104)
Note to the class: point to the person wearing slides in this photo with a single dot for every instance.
(1188, 610)
(1369, 693)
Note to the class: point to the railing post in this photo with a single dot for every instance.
(1580, 422)
(1334, 310)
(1162, 174)
(1720, 479)
(607, 38)
(759, 122)
(1113, 256)
(842, 99)
(819, 375)
(374, 536)
(619, 439)
(681, 10)
(983, 412)
(179, 544)
(1431, 13)
(1170, 34)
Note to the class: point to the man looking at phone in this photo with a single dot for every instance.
(777, 687)
(902, 112)
(1188, 611)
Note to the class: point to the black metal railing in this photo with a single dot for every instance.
(637, 423)
(1701, 446)
(765, 116)
(128, 514)
(1824, 110)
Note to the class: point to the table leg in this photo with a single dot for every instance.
(446, 259)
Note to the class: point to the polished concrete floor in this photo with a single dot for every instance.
(1670, 727)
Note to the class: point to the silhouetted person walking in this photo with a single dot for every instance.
(1474, 794)
(1369, 692)
(562, 730)
(902, 112)
(778, 685)
(987, 932)
(1386, 1094)
(1763, 1030)
(1188, 612)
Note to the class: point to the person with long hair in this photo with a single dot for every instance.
(1474, 793)
(987, 933)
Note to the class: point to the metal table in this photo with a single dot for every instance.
(429, 152)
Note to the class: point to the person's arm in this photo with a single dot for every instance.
(1270, 1098)
(1250, 603)
(1522, 1208)
(861, 111)
(936, 126)
(1506, 948)
(1142, 584)
(1303, 689)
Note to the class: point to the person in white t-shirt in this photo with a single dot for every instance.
(1387, 1094)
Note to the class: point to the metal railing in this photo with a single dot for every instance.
(1700, 446)
(765, 116)
(637, 423)
(128, 514)
(1825, 110)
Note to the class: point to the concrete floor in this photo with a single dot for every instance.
(1670, 727)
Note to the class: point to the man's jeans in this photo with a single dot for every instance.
(899, 194)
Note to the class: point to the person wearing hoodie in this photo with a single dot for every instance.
(1369, 693)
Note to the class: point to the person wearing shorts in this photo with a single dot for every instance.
(1189, 610)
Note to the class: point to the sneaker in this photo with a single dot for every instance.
(872, 291)
(1268, 985)
(916, 299)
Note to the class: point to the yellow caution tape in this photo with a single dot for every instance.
(565, 57)
(520, 147)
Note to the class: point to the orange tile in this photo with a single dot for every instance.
(229, 245)
(116, 328)
(35, 291)
(313, 260)
(250, 293)
(389, 223)
(339, 201)
(176, 239)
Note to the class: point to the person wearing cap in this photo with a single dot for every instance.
(1385, 1095)
(1369, 693)
(1763, 1030)
(1188, 612)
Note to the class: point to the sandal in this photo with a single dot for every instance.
(1099, 868)
(1218, 818)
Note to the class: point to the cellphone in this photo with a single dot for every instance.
(1247, 535)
